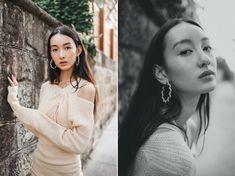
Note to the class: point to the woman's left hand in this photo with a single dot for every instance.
(12, 81)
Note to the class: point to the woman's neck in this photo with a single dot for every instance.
(65, 75)
(189, 105)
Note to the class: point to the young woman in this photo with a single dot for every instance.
(64, 120)
(178, 74)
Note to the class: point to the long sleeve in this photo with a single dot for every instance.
(74, 139)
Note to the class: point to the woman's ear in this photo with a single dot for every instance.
(160, 74)
(79, 50)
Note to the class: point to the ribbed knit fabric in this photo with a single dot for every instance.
(63, 124)
(165, 153)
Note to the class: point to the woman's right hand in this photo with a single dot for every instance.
(12, 81)
(12, 89)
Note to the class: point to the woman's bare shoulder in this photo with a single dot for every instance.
(87, 91)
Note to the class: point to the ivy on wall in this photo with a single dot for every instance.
(69, 12)
(72, 13)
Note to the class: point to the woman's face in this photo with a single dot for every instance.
(190, 63)
(64, 51)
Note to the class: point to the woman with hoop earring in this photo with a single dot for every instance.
(64, 119)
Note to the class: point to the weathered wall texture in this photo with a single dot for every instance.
(135, 33)
(22, 48)
(106, 77)
(23, 52)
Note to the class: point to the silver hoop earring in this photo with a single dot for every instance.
(169, 93)
(52, 65)
(77, 61)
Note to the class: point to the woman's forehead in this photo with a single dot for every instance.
(184, 32)
(61, 39)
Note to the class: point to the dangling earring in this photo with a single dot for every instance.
(77, 61)
(169, 93)
(52, 65)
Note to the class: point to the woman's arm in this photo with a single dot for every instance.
(73, 139)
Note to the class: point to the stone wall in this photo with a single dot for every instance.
(105, 71)
(24, 29)
(22, 52)
(135, 33)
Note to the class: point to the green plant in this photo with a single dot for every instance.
(74, 13)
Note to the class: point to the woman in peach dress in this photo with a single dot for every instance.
(64, 119)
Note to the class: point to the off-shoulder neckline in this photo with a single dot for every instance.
(64, 88)
(69, 85)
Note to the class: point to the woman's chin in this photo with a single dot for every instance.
(210, 87)
(65, 68)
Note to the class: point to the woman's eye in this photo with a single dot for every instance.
(67, 48)
(185, 52)
(54, 50)
(207, 48)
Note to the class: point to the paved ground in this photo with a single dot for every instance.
(104, 157)
(218, 157)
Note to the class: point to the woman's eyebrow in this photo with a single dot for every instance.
(189, 41)
(53, 45)
(68, 43)
(182, 42)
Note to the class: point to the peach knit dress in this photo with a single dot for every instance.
(63, 124)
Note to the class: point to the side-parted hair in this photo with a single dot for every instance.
(146, 111)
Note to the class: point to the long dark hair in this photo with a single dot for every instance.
(146, 110)
(83, 70)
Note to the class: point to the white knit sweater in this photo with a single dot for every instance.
(165, 153)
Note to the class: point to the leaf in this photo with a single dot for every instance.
(76, 12)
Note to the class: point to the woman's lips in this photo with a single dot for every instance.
(63, 63)
(206, 73)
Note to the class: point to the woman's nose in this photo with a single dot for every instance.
(203, 59)
(61, 54)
